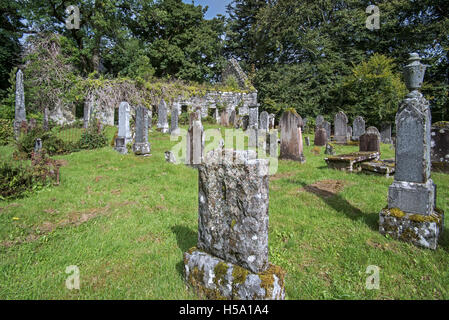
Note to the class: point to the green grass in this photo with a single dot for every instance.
(125, 222)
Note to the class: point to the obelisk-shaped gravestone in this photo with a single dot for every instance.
(141, 145)
(411, 214)
(20, 112)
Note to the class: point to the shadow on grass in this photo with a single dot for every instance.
(186, 239)
(340, 204)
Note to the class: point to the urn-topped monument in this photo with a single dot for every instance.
(411, 214)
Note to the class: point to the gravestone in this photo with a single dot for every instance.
(174, 125)
(349, 134)
(320, 137)
(224, 119)
(319, 121)
(307, 140)
(195, 141)
(291, 137)
(124, 132)
(232, 118)
(20, 112)
(231, 257)
(264, 125)
(369, 142)
(304, 125)
(372, 130)
(439, 153)
(411, 214)
(162, 120)
(253, 117)
(329, 150)
(245, 122)
(340, 127)
(385, 133)
(141, 145)
(358, 128)
(271, 121)
(327, 126)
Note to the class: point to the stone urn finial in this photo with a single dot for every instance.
(414, 72)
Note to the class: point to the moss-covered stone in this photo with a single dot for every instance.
(220, 270)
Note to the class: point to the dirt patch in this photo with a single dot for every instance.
(12, 205)
(279, 176)
(325, 188)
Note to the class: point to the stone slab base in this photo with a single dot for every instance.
(422, 231)
(383, 167)
(350, 162)
(141, 148)
(214, 278)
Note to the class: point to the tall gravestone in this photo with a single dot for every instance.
(271, 120)
(385, 133)
(195, 141)
(224, 118)
(233, 118)
(291, 137)
(411, 214)
(319, 121)
(340, 127)
(174, 125)
(264, 125)
(231, 257)
(141, 145)
(20, 112)
(349, 134)
(253, 117)
(124, 136)
(369, 142)
(162, 117)
(358, 128)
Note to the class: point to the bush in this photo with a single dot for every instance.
(51, 143)
(91, 139)
(6, 131)
(15, 179)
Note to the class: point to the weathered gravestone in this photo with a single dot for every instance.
(440, 146)
(245, 122)
(349, 134)
(124, 136)
(264, 125)
(231, 257)
(358, 128)
(20, 112)
(307, 140)
(233, 118)
(162, 117)
(195, 141)
(320, 137)
(372, 130)
(253, 117)
(329, 150)
(369, 142)
(224, 118)
(174, 123)
(141, 145)
(385, 133)
(341, 127)
(411, 214)
(271, 121)
(291, 137)
(327, 126)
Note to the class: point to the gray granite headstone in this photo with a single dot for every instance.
(291, 137)
(358, 128)
(233, 118)
(253, 117)
(174, 126)
(141, 145)
(264, 125)
(385, 133)
(195, 142)
(271, 120)
(319, 121)
(372, 130)
(124, 130)
(162, 114)
(20, 112)
(340, 127)
(327, 126)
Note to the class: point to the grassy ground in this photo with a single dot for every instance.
(126, 221)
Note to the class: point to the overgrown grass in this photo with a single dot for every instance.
(125, 222)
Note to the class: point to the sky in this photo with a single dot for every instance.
(215, 6)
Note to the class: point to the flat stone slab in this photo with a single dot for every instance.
(217, 279)
(420, 230)
(350, 162)
(383, 167)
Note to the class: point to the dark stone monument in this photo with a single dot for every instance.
(369, 142)
(385, 133)
(141, 145)
(411, 214)
(320, 137)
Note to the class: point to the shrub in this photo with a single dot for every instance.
(15, 179)
(6, 131)
(52, 144)
(92, 139)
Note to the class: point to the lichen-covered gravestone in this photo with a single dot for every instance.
(141, 145)
(320, 137)
(291, 137)
(162, 117)
(440, 146)
(385, 133)
(174, 125)
(124, 136)
(20, 112)
(411, 214)
(195, 141)
(327, 126)
(264, 125)
(231, 257)
(369, 141)
(319, 121)
(341, 127)
(253, 117)
(358, 128)
(271, 121)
